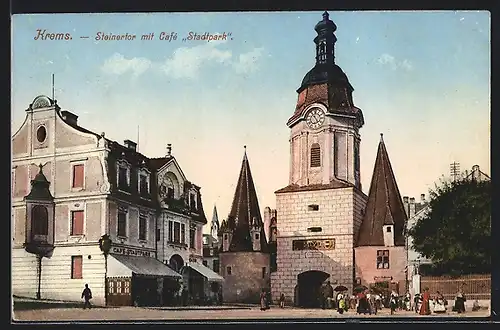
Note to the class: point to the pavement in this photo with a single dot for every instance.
(212, 313)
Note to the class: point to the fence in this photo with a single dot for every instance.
(472, 286)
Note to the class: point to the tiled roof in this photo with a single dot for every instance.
(384, 205)
(245, 212)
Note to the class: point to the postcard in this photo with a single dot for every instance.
(250, 166)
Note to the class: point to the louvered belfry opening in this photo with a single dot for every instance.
(315, 155)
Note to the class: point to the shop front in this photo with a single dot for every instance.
(138, 280)
(204, 286)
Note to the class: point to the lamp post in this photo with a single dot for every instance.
(105, 246)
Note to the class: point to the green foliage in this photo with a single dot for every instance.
(456, 233)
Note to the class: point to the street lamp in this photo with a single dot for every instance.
(105, 246)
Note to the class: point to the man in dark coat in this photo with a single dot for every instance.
(327, 295)
(87, 294)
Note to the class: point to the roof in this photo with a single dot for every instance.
(384, 205)
(334, 184)
(40, 188)
(146, 266)
(245, 212)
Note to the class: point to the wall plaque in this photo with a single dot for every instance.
(313, 244)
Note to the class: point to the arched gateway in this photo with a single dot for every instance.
(308, 290)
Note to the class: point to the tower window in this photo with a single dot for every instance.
(228, 270)
(313, 207)
(315, 155)
(388, 229)
(256, 236)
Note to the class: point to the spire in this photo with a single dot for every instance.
(325, 40)
(214, 228)
(384, 206)
(244, 209)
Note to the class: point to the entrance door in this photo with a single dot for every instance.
(309, 288)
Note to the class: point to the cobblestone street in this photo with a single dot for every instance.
(136, 313)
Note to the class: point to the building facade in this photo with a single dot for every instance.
(96, 188)
(244, 253)
(320, 211)
(381, 252)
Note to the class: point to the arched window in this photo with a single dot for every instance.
(315, 155)
(39, 220)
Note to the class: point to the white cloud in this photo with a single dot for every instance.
(186, 62)
(394, 64)
(117, 64)
(247, 62)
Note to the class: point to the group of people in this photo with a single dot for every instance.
(422, 303)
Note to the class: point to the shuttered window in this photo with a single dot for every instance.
(78, 175)
(76, 266)
(77, 222)
(183, 233)
(315, 155)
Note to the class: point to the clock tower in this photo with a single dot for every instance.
(324, 139)
(321, 209)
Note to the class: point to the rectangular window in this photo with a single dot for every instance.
(192, 237)
(313, 207)
(170, 231)
(263, 272)
(170, 193)
(158, 234)
(177, 232)
(228, 270)
(76, 266)
(383, 259)
(122, 224)
(78, 175)
(183, 233)
(216, 266)
(143, 185)
(205, 263)
(142, 227)
(122, 178)
(76, 223)
(193, 201)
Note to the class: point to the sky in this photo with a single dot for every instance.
(421, 78)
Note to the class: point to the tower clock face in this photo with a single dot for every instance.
(315, 118)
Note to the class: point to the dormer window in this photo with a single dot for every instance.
(192, 201)
(123, 175)
(144, 182)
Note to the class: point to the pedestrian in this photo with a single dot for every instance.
(425, 309)
(327, 296)
(460, 303)
(87, 295)
(282, 300)
(263, 300)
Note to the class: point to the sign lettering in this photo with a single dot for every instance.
(313, 244)
(130, 252)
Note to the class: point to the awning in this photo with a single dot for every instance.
(205, 271)
(120, 265)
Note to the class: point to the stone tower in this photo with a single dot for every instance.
(244, 254)
(319, 212)
(380, 247)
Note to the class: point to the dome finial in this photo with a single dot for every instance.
(381, 137)
(326, 15)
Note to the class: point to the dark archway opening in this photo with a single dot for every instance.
(309, 288)
(176, 262)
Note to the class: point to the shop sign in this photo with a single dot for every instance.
(130, 251)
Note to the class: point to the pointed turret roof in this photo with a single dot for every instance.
(214, 225)
(245, 212)
(384, 206)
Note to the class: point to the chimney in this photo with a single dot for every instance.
(412, 207)
(130, 144)
(69, 117)
(169, 150)
(422, 198)
(405, 199)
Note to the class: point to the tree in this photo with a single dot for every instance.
(456, 232)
